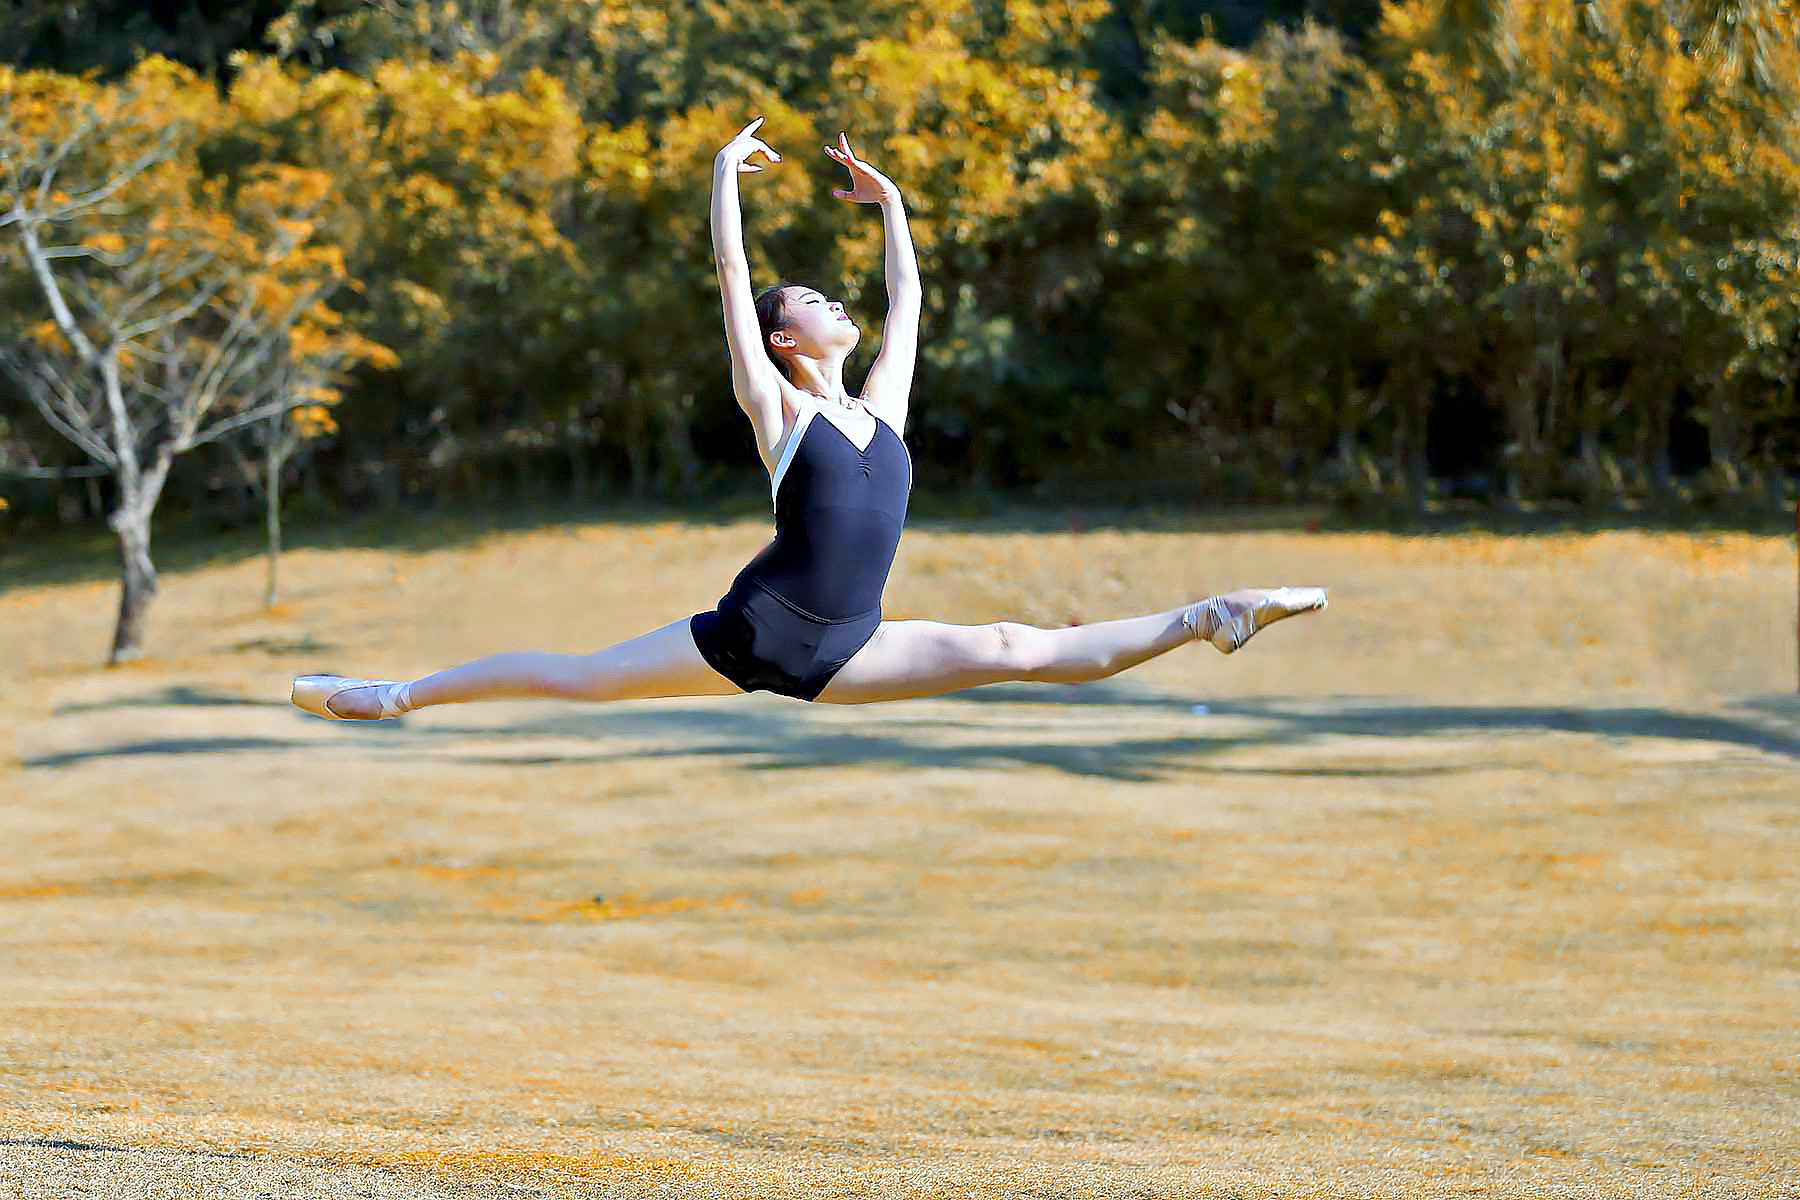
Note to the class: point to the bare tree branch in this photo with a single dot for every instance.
(169, 319)
(60, 252)
(161, 281)
(89, 122)
(49, 393)
(59, 308)
(163, 149)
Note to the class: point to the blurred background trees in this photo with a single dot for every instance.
(1407, 255)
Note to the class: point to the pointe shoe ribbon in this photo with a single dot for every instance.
(314, 694)
(1234, 624)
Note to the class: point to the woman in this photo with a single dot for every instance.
(803, 619)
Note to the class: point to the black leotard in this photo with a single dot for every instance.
(811, 599)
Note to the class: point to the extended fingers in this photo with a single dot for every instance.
(746, 144)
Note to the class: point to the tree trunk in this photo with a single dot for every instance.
(681, 464)
(1601, 483)
(137, 580)
(637, 449)
(1418, 466)
(1411, 400)
(1602, 480)
(1558, 402)
(575, 442)
(1525, 462)
(1722, 430)
(1647, 394)
(1361, 474)
(272, 513)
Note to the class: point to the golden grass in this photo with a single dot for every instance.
(1479, 884)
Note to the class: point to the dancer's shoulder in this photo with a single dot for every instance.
(775, 415)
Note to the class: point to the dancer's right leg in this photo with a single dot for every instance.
(662, 663)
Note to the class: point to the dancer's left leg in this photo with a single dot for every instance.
(908, 659)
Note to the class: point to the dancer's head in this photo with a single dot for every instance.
(800, 322)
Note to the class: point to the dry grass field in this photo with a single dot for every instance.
(1484, 882)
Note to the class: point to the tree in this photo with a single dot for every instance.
(287, 348)
(1241, 177)
(165, 316)
(275, 440)
(994, 142)
(445, 191)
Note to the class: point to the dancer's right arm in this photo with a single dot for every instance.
(754, 379)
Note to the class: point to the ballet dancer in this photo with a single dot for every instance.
(803, 619)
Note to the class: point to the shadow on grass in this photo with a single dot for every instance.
(1376, 718)
(768, 735)
(161, 747)
(90, 1148)
(191, 543)
(177, 696)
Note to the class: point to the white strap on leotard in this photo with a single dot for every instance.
(793, 443)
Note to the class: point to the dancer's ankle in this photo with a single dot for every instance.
(1203, 619)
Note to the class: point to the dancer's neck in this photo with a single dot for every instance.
(824, 381)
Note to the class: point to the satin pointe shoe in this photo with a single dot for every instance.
(314, 694)
(1230, 620)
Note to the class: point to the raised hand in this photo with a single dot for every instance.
(739, 149)
(867, 185)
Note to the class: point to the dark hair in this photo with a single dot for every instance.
(771, 314)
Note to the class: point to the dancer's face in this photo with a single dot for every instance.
(817, 326)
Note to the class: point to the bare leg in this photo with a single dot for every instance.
(906, 659)
(662, 663)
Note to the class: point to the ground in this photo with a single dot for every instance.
(1480, 883)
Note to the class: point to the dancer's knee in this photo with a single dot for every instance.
(1023, 651)
(1047, 656)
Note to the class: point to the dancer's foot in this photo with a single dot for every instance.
(339, 699)
(1230, 620)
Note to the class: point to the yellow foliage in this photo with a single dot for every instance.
(46, 334)
(427, 155)
(423, 300)
(358, 349)
(622, 23)
(313, 420)
(1033, 25)
(617, 159)
(971, 140)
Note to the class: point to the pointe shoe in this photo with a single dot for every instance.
(314, 693)
(1236, 617)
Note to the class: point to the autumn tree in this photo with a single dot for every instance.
(1239, 178)
(164, 315)
(444, 191)
(276, 343)
(993, 141)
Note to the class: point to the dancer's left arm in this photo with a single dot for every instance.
(889, 384)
